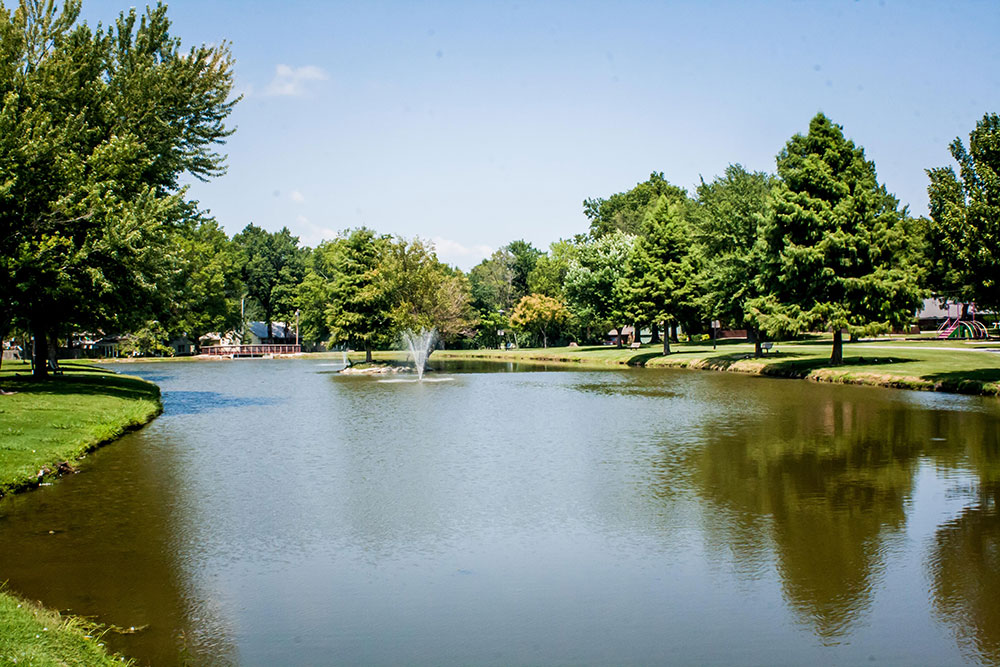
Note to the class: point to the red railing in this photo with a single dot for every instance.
(249, 350)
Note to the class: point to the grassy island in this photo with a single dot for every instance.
(45, 426)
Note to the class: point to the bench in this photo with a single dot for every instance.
(766, 347)
(635, 346)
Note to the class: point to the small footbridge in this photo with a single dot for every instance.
(245, 351)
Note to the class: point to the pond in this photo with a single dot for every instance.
(279, 513)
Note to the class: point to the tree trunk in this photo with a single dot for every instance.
(619, 336)
(758, 351)
(666, 340)
(368, 352)
(39, 354)
(54, 354)
(637, 333)
(965, 311)
(545, 340)
(837, 358)
(270, 335)
(673, 332)
(654, 334)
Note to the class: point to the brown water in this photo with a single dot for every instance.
(280, 514)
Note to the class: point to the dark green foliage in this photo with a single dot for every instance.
(273, 267)
(492, 283)
(836, 249)
(96, 127)
(206, 287)
(660, 282)
(964, 232)
(733, 211)
(360, 307)
(626, 211)
(524, 259)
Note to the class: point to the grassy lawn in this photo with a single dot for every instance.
(931, 365)
(32, 635)
(60, 419)
(43, 424)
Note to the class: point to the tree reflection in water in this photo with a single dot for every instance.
(965, 561)
(823, 487)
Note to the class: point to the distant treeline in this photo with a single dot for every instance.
(96, 235)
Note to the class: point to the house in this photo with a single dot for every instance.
(182, 345)
(255, 334)
(281, 334)
(933, 313)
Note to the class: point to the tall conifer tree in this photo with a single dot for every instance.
(837, 254)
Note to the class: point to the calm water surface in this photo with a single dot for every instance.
(278, 513)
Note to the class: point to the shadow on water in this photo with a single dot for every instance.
(199, 402)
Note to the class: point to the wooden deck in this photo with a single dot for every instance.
(234, 351)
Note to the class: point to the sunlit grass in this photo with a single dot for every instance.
(930, 365)
(44, 423)
(32, 635)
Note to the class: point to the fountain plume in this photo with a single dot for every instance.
(420, 344)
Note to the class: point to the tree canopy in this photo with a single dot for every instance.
(96, 128)
(733, 211)
(661, 273)
(965, 215)
(273, 266)
(836, 247)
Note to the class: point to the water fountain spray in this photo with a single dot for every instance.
(420, 344)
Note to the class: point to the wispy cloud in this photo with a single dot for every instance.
(311, 234)
(453, 252)
(294, 81)
(297, 196)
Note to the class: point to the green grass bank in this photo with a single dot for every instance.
(949, 366)
(45, 426)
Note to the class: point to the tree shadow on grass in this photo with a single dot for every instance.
(803, 366)
(83, 382)
(978, 381)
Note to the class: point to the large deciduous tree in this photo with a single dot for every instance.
(205, 291)
(965, 215)
(733, 211)
(96, 128)
(594, 280)
(836, 251)
(626, 211)
(540, 315)
(273, 267)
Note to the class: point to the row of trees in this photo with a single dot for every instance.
(819, 245)
(98, 126)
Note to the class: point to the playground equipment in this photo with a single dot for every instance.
(956, 328)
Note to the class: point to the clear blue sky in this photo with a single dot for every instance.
(477, 123)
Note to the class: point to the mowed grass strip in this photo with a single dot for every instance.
(934, 366)
(33, 635)
(44, 423)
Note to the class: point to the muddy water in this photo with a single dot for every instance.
(277, 513)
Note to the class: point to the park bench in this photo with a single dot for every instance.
(766, 347)
(635, 346)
